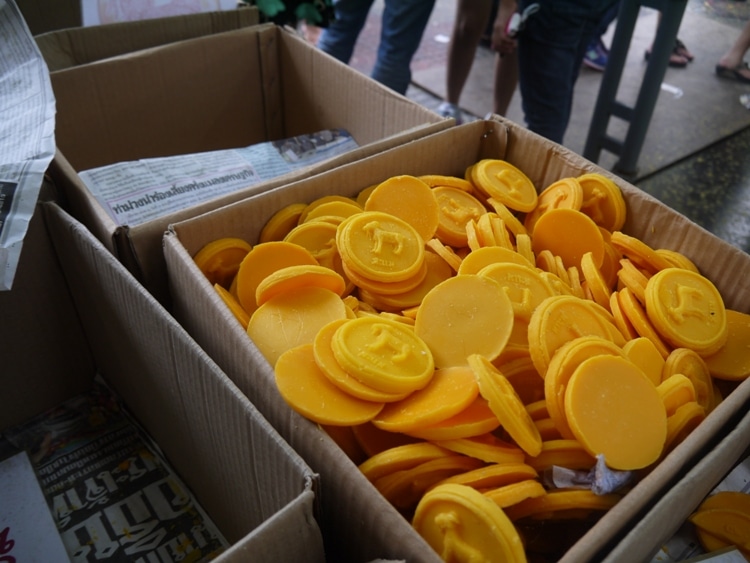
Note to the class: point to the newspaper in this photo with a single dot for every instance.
(135, 192)
(684, 545)
(112, 495)
(27, 133)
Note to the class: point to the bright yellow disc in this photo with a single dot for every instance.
(504, 182)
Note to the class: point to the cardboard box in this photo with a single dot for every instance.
(200, 310)
(77, 45)
(73, 312)
(228, 90)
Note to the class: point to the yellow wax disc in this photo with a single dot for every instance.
(690, 364)
(440, 180)
(600, 290)
(633, 311)
(569, 234)
(446, 253)
(410, 199)
(562, 318)
(682, 422)
(622, 322)
(326, 361)
(677, 259)
(488, 255)
(494, 475)
(283, 221)
(383, 354)
(475, 420)
(687, 310)
(486, 447)
(613, 409)
(505, 183)
(341, 208)
(603, 201)
(293, 318)
(565, 192)
(523, 284)
(644, 353)
(675, 391)
(293, 278)
(506, 405)
(401, 457)
(262, 260)
(456, 208)
(513, 223)
(562, 453)
(403, 489)
(461, 524)
(465, 315)
(561, 368)
(556, 503)
(380, 246)
(310, 393)
(319, 238)
(220, 259)
(511, 494)
(732, 361)
(633, 278)
(449, 392)
(239, 313)
(725, 527)
(320, 201)
(639, 252)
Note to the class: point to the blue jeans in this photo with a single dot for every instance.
(550, 52)
(403, 24)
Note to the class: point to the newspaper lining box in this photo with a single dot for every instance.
(198, 307)
(75, 312)
(234, 89)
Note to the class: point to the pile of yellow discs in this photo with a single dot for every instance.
(461, 336)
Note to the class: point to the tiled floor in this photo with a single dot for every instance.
(711, 186)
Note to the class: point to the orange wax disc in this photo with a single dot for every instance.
(292, 278)
(310, 393)
(570, 234)
(565, 192)
(562, 452)
(488, 255)
(505, 183)
(603, 201)
(220, 259)
(557, 503)
(506, 405)
(449, 392)
(456, 208)
(465, 315)
(486, 447)
(732, 361)
(474, 420)
(380, 246)
(613, 409)
(239, 313)
(461, 524)
(639, 252)
(441, 180)
(511, 494)
(523, 284)
(690, 364)
(262, 260)
(687, 310)
(494, 475)
(401, 457)
(410, 199)
(383, 354)
(283, 221)
(644, 353)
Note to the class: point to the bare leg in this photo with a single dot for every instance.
(733, 58)
(471, 20)
(506, 79)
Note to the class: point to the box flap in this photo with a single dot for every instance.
(206, 427)
(72, 47)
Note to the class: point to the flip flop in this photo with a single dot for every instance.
(733, 73)
(675, 60)
(681, 50)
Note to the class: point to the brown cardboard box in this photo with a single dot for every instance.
(200, 310)
(77, 45)
(73, 312)
(228, 90)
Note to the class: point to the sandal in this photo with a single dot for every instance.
(675, 60)
(734, 73)
(681, 50)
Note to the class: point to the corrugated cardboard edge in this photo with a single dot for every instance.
(66, 48)
(498, 138)
(236, 464)
(662, 521)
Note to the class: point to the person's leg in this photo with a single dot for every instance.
(340, 37)
(404, 22)
(468, 26)
(733, 59)
(506, 80)
(550, 53)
